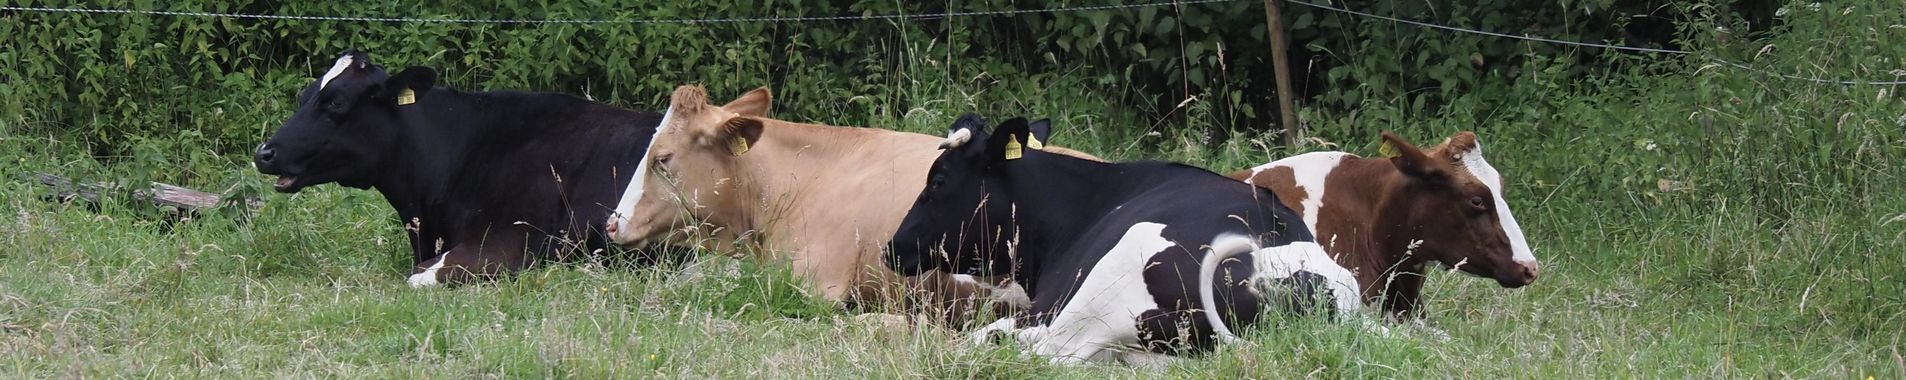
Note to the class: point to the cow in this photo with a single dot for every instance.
(1388, 218)
(824, 198)
(1121, 260)
(485, 183)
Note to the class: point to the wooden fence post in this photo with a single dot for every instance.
(1293, 133)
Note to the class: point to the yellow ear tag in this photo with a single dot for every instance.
(406, 97)
(737, 145)
(1388, 150)
(1033, 142)
(1013, 150)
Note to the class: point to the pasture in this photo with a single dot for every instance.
(1694, 221)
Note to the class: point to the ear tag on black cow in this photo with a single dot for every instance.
(1013, 150)
(737, 145)
(1033, 142)
(406, 97)
(1388, 150)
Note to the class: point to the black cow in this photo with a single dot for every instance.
(486, 183)
(1112, 254)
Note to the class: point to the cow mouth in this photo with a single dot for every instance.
(286, 184)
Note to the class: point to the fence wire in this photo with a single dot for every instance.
(634, 21)
(1526, 37)
(924, 16)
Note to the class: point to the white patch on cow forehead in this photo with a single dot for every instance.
(1310, 171)
(1518, 244)
(625, 208)
(344, 62)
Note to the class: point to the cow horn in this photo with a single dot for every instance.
(957, 138)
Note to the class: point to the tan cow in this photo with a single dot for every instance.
(1385, 218)
(826, 199)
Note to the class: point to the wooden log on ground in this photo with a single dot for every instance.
(159, 194)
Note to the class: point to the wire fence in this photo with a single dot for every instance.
(637, 21)
(928, 16)
(1526, 37)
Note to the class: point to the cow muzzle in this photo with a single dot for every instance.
(1522, 274)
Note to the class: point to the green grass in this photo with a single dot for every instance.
(86, 294)
(1774, 250)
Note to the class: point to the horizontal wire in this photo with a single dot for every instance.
(731, 20)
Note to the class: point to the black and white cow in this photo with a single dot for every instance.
(1112, 254)
(486, 183)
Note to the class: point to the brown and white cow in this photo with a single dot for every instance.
(827, 199)
(1385, 218)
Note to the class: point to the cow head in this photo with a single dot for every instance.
(346, 122)
(689, 172)
(964, 222)
(1454, 200)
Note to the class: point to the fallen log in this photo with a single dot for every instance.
(162, 195)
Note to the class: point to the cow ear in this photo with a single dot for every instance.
(1008, 141)
(1454, 147)
(740, 133)
(1040, 132)
(754, 103)
(409, 85)
(1410, 160)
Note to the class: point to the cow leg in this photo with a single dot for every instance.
(1004, 327)
(467, 263)
(1146, 359)
(1401, 294)
(951, 299)
(1068, 344)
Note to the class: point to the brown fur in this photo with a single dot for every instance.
(825, 198)
(1375, 209)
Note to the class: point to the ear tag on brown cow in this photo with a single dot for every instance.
(1013, 150)
(737, 145)
(1033, 142)
(1388, 150)
(406, 97)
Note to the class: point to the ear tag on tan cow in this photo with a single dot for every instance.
(737, 145)
(1013, 150)
(1388, 150)
(406, 97)
(1033, 142)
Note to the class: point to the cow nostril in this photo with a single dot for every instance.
(265, 154)
(1531, 270)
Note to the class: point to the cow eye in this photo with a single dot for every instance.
(934, 185)
(1478, 203)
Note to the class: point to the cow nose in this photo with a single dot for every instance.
(265, 154)
(1531, 270)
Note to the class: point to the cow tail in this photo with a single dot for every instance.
(1223, 248)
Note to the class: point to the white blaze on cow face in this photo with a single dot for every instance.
(619, 230)
(338, 68)
(1309, 171)
(1518, 245)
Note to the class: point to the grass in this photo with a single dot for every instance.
(1706, 224)
(1693, 297)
